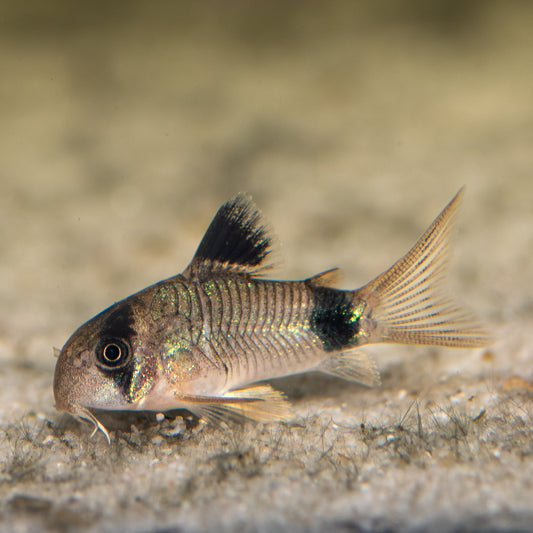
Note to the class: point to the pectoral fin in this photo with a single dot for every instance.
(259, 402)
(352, 366)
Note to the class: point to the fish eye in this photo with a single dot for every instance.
(112, 353)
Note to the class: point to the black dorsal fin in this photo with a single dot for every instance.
(236, 241)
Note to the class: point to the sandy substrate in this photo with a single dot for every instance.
(124, 126)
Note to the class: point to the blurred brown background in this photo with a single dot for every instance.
(124, 125)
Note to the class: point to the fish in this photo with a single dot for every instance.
(208, 339)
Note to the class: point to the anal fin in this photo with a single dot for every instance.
(351, 365)
(260, 403)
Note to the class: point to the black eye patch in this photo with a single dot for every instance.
(120, 322)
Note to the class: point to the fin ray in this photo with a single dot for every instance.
(408, 301)
(258, 402)
(351, 365)
(236, 240)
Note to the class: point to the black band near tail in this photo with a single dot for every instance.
(334, 319)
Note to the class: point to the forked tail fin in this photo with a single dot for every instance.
(407, 304)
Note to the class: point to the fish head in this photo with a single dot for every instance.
(105, 364)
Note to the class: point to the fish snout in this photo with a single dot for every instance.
(70, 378)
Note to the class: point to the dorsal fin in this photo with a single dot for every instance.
(235, 241)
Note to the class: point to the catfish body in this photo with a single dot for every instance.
(199, 339)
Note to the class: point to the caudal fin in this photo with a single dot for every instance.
(407, 303)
